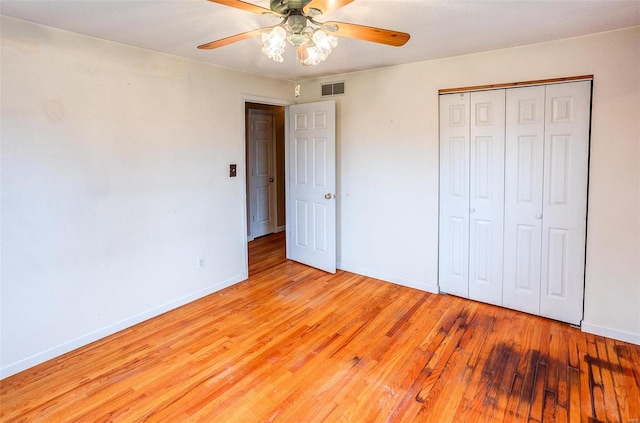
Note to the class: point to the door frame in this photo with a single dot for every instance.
(248, 98)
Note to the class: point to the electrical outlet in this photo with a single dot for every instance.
(200, 262)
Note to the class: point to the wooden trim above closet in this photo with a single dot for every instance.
(514, 84)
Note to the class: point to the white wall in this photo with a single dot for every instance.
(114, 183)
(388, 165)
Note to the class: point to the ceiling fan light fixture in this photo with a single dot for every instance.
(313, 45)
(310, 55)
(274, 42)
(298, 39)
(324, 41)
(318, 48)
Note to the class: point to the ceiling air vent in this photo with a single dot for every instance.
(334, 88)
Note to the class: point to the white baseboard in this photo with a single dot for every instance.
(83, 340)
(388, 278)
(620, 335)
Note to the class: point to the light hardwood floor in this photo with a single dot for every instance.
(294, 344)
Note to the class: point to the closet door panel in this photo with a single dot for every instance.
(486, 194)
(565, 200)
(453, 268)
(523, 198)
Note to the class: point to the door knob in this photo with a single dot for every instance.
(538, 216)
(472, 210)
(270, 179)
(327, 196)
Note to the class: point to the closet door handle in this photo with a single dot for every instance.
(472, 210)
(538, 216)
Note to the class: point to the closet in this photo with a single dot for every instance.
(513, 197)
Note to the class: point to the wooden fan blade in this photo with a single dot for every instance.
(326, 6)
(234, 38)
(369, 33)
(238, 4)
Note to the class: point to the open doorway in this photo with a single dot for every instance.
(265, 178)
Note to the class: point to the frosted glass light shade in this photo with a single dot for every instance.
(319, 48)
(274, 42)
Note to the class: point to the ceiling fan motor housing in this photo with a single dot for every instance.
(283, 6)
(297, 22)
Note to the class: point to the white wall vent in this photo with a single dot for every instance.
(333, 88)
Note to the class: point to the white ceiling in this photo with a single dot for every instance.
(438, 28)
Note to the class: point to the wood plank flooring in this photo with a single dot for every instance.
(294, 344)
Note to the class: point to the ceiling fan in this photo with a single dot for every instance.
(313, 40)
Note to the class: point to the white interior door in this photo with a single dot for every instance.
(453, 257)
(311, 204)
(523, 198)
(566, 150)
(486, 196)
(262, 187)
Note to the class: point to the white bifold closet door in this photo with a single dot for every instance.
(513, 197)
(472, 194)
(523, 198)
(564, 202)
(547, 155)
(486, 196)
(454, 194)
